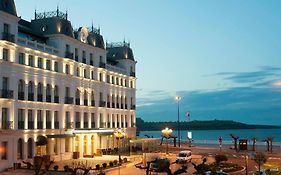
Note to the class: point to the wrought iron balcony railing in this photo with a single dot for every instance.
(5, 93)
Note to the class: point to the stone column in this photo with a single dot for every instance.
(52, 113)
(25, 118)
(35, 118)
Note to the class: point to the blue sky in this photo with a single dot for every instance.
(222, 57)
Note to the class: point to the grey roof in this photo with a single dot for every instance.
(52, 25)
(8, 6)
(119, 53)
(96, 40)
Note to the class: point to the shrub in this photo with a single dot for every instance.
(97, 166)
(115, 162)
(111, 164)
(66, 168)
(104, 165)
(220, 158)
(125, 160)
(56, 167)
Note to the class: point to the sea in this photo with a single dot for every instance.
(212, 136)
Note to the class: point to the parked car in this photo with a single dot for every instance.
(183, 156)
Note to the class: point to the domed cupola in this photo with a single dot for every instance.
(8, 6)
(119, 51)
(95, 38)
(54, 22)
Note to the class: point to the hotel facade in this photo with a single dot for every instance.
(63, 91)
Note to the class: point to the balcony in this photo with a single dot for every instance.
(102, 65)
(39, 125)
(85, 102)
(133, 74)
(76, 58)
(108, 104)
(122, 106)
(93, 125)
(48, 98)
(133, 107)
(40, 97)
(20, 124)
(84, 60)
(93, 103)
(91, 63)
(6, 125)
(7, 93)
(48, 125)
(102, 104)
(20, 95)
(113, 105)
(57, 126)
(117, 105)
(77, 125)
(68, 100)
(30, 125)
(68, 55)
(8, 37)
(30, 96)
(77, 101)
(126, 106)
(69, 125)
(86, 125)
(57, 99)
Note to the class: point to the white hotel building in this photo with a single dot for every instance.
(62, 90)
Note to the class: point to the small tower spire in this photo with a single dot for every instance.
(92, 28)
(58, 10)
(35, 14)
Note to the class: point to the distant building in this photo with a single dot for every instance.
(62, 90)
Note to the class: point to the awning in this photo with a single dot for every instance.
(60, 136)
(41, 141)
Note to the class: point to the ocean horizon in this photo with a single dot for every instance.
(212, 136)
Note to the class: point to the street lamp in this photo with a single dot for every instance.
(167, 132)
(119, 134)
(178, 99)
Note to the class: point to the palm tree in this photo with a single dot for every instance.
(254, 140)
(260, 159)
(235, 138)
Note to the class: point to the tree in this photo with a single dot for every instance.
(260, 159)
(235, 138)
(254, 140)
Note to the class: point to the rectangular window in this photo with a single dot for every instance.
(93, 123)
(67, 120)
(5, 54)
(86, 120)
(31, 60)
(67, 48)
(5, 119)
(20, 118)
(48, 65)
(5, 83)
(85, 73)
(30, 119)
(67, 69)
(76, 54)
(40, 63)
(48, 120)
(4, 148)
(84, 56)
(77, 120)
(39, 119)
(56, 119)
(56, 65)
(21, 58)
(91, 59)
(92, 75)
(6, 28)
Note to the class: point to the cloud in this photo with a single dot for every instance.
(245, 104)
(264, 74)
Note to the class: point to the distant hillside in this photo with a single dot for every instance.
(198, 125)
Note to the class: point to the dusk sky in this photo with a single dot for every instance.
(223, 57)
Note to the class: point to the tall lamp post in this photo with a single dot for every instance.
(119, 134)
(178, 99)
(167, 133)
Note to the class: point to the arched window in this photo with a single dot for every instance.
(49, 93)
(30, 91)
(39, 92)
(85, 98)
(77, 97)
(21, 87)
(20, 149)
(30, 148)
(56, 94)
